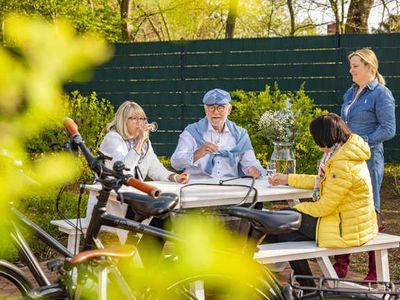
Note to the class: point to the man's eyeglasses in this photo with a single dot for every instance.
(218, 108)
(136, 119)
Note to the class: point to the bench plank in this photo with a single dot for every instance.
(289, 251)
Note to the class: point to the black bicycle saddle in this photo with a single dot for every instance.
(147, 206)
(267, 221)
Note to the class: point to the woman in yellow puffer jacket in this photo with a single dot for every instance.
(342, 213)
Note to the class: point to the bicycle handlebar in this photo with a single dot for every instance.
(97, 165)
(70, 126)
(144, 187)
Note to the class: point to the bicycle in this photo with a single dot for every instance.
(95, 262)
(265, 287)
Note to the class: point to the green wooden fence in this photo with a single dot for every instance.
(169, 78)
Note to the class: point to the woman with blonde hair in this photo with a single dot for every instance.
(369, 110)
(127, 140)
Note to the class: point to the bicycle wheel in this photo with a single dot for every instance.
(339, 296)
(216, 286)
(13, 282)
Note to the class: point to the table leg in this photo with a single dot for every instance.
(382, 265)
(293, 202)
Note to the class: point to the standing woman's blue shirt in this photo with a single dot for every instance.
(372, 115)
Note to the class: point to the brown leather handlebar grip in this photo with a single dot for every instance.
(70, 126)
(144, 187)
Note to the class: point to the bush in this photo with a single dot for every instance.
(249, 106)
(90, 113)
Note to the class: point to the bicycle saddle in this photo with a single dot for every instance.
(147, 206)
(269, 222)
(113, 252)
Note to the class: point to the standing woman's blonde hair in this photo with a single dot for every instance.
(368, 57)
(125, 111)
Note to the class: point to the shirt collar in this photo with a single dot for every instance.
(371, 85)
(210, 128)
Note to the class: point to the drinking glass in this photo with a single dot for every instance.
(271, 168)
(153, 126)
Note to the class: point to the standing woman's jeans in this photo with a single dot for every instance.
(376, 169)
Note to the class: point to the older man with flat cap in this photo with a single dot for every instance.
(216, 147)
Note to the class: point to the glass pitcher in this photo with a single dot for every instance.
(283, 158)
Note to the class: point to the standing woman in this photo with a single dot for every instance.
(368, 110)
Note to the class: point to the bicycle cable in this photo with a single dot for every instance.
(78, 226)
(249, 188)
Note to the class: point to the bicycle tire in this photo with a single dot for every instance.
(340, 296)
(214, 287)
(15, 279)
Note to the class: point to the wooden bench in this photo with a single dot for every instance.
(289, 251)
(74, 235)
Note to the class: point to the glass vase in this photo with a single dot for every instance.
(282, 158)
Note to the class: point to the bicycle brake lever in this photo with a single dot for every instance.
(119, 166)
(104, 157)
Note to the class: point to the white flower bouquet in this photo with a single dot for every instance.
(278, 126)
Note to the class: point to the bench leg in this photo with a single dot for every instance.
(327, 268)
(382, 265)
(74, 248)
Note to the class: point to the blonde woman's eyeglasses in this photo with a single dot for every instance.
(137, 119)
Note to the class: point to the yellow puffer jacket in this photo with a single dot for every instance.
(346, 208)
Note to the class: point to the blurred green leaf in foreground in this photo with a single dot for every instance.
(35, 60)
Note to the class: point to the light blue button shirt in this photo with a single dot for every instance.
(372, 115)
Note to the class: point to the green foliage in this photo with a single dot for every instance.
(90, 113)
(150, 20)
(40, 57)
(101, 17)
(166, 161)
(40, 208)
(249, 106)
(393, 171)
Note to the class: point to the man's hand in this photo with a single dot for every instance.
(182, 178)
(253, 171)
(278, 179)
(205, 149)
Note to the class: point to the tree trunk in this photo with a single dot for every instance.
(335, 9)
(292, 17)
(357, 16)
(124, 13)
(231, 20)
